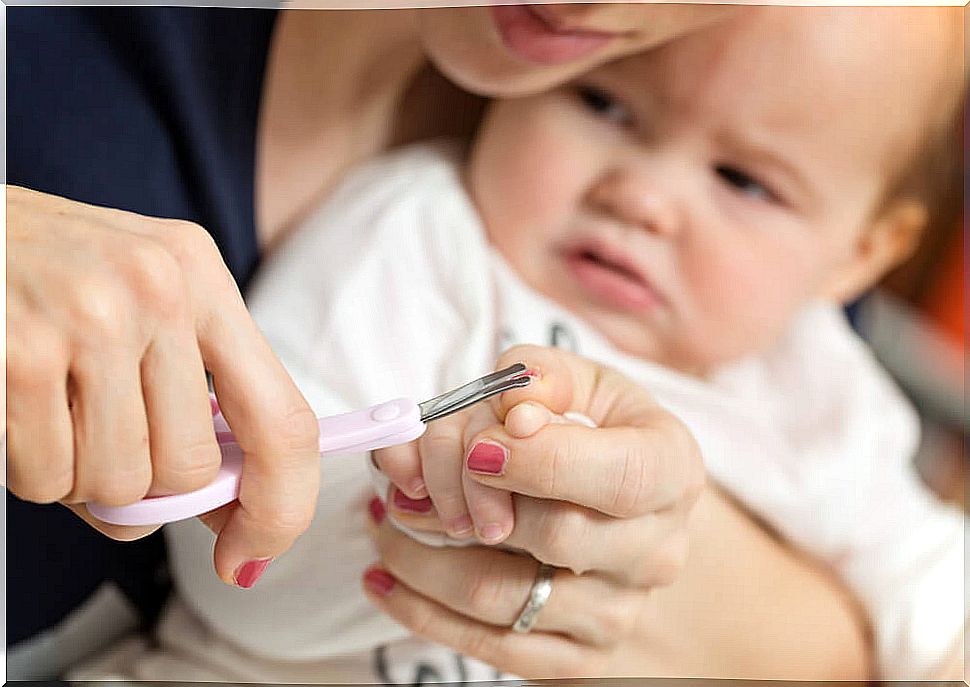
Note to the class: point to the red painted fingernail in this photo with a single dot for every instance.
(250, 571)
(402, 502)
(488, 458)
(376, 508)
(379, 581)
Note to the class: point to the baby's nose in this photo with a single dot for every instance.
(635, 197)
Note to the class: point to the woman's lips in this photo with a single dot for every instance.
(612, 279)
(527, 34)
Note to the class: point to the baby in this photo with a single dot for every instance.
(699, 232)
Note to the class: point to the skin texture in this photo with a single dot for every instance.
(736, 211)
(304, 146)
(69, 439)
(722, 198)
(631, 597)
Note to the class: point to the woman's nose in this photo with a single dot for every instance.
(634, 197)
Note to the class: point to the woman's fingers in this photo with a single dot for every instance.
(490, 510)
(507, 651)
(619, 471)
(463, 506)
(642, 552)
(185, 456)
(564, 382)
(39, 428)
(140, 307)
(491, 586)
(278, 434)
(438, 447)
(402, 466)
(112, 458)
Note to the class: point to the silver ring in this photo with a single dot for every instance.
(538, 596)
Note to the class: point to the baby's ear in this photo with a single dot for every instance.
(888, 240)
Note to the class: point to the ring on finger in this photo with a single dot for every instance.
(538, 596)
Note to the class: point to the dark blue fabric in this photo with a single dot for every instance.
(151, 110)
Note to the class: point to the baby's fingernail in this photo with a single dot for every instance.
(418, 488)
(459, 528)
(249, 572)
(526, 419)
(488, 458)
(379, 581)
(409, 505)
(492, 533)
(377, 511)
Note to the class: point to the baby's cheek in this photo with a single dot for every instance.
(743, 303)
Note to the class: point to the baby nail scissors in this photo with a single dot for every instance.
(386, 424)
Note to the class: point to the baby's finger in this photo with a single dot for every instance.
(564, 382)
(441, 448)
(402, 466)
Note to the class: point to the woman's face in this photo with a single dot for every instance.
(506, 50)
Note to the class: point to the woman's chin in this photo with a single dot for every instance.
(464, 45)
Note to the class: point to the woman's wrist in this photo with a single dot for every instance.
(746, 606)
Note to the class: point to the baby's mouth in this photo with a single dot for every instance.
(612, 278)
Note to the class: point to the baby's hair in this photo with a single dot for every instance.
(933, 178)
(934, 174)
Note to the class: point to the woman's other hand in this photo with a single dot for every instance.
(112, 320)
(612, 508)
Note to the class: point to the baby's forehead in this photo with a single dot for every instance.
(875, 51)
(810, 66)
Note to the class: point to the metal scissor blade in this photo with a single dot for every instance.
(512, 377)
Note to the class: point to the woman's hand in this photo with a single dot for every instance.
(112, 320)
(608, 504)
(609, 507)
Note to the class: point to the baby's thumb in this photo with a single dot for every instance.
(529, 417)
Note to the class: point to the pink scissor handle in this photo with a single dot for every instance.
(386, 424)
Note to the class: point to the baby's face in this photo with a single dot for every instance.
(689, 200)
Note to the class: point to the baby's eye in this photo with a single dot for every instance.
(604, 105)
(745, 183)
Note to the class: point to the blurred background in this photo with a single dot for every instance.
(915, 323)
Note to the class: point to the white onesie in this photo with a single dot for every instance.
(390, 289)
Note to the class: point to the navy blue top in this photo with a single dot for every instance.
(151, 110)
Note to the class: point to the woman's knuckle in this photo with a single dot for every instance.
(615, 621)
(192, 468)
(121, 489)
(35, 355)
(155, 279)
(668, 562)
(288, 522)
(484, 590)
(421, 620)
(101, 310)
(298, 431)
(56, 486)
(563, 533)
(188, 242)
(475, 641)
(631, 488)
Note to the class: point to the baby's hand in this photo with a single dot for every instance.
(429, 488)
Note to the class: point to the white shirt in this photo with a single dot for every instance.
(390, 289)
